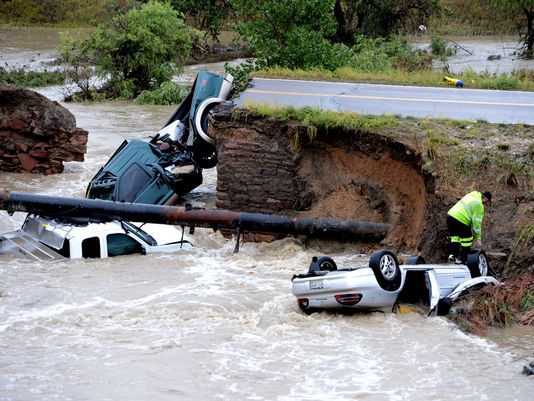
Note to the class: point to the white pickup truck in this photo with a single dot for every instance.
(46, 239)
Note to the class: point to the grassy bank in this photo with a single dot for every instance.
(519, 80)
(32, 78)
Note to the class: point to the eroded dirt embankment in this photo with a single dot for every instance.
(269, 166)
(367, 178)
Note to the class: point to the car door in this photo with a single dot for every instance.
(431, 282)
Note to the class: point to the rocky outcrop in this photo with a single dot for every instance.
(36, 134)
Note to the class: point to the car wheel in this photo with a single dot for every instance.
(322, 263)
(327, 264)
(478, 264)
(386, 268)
(415, 260)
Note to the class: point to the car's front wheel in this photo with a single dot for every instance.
(386, 268)
(478, 264)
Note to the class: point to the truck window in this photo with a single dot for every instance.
(122, 244)
(132, 181)
(91, 247)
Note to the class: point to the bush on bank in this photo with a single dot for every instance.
(32, 78)
(135, 51)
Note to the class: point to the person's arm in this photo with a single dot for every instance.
(477, 214)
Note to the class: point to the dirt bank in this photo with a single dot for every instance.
(407, 175)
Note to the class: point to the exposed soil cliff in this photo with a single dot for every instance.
(36, 134)
(393, 175)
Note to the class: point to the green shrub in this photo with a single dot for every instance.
(168, 93)
(439, 47)
(386, 54)
(136, 51)
(501, 82)
(291, 34)
(32, 78)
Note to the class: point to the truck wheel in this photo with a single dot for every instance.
(478, 264)
(386, 268)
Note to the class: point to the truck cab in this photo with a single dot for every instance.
(44, 239)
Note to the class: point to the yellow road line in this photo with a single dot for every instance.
(407, 99)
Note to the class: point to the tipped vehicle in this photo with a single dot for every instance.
(170, 165)
(385, 284)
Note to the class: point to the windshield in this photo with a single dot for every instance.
(132, 228)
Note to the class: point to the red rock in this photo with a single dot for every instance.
(21, 148)
(27, 162)
(37, 128)
(39, 153)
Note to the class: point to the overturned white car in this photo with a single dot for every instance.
(44, 239)
(385, 284)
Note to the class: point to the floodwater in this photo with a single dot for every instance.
(473, 54)
(208, 324)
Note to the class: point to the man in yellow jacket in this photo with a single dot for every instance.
(464, 222)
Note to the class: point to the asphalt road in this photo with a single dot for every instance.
(510, 107)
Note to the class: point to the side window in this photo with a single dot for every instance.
(65, 249)
(122, 244)
(91, 247)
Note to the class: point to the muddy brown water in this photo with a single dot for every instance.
(207, 324)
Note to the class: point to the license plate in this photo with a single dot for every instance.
(316, 284)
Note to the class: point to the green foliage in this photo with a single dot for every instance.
(523, 13)
(324, 119)
(291, 34)
(168, 93)
(527, 300)
(136, 51)
(439, 48)
(240, 74)
(386, 54)
(206, 15)
(502, 82)
(386, 17)
(524, 239)
(471, 18)
(44, 12)
(32, 78)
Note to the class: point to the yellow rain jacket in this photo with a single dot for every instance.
(470, 211)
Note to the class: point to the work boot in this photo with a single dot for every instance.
(454, 259)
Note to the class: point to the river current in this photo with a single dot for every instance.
(208, 324)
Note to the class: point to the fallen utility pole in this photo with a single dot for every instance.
(240, 222)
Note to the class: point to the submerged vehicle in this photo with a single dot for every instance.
(157, 172)
(170, 165)
(44, 239)
(385, 284)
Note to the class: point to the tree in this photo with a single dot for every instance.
(138, 50)
(207, 15)
(290, 33)
(380, 18)
(525, 25)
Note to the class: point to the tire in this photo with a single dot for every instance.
(478, 264)
(386, 269)
(322, 263)
(327, 264)
(415, 260)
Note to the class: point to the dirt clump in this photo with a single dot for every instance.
(496, 306)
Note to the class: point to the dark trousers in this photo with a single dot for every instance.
(461, 238)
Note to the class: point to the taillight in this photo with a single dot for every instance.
(303, 303)
(349, 299)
